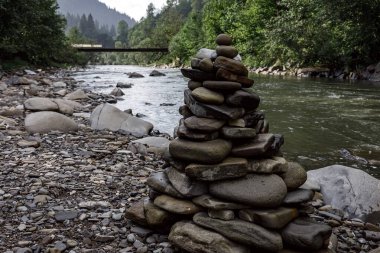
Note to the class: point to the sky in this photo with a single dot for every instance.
(134, 8)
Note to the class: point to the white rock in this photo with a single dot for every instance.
(59, 85)
(348, 189)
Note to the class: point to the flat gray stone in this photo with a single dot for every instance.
(305, 235)
(229, 168)
(208, 152)
(106, 116)
(177, 206)
(298, 196)
(44, 122)
(210, 202)
(238, 132)
(254, 189)
(243, 232)
(66, 215)
(224, 74)
(185, 185)
(204, 124)
(186, 133)
(160, 182)
(197, 75)
(269, 218)
(207, 96)
(348, 189)
(202, 110)
(194, 239)
(257, 147)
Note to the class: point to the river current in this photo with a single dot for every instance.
(324, 121)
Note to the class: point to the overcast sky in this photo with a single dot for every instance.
(134, 8)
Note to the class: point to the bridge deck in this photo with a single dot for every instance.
(102, 49)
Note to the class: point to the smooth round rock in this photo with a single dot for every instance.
(207, 96)
(295, 176)
(223, 40)
(44, 122)
(208, 152)
(254, 189)
(204, 124)
(40, 104)
(227, 51)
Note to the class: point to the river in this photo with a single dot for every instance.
(322, 120)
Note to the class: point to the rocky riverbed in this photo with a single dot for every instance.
(68, 192)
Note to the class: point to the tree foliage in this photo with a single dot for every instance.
(32, 31)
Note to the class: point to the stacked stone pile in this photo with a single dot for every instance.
(226, 187)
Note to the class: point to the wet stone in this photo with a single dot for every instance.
(229, 168)
(192, 85)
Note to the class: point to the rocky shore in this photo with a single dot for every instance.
(67, 191)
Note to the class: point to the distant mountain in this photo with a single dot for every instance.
(99, 11)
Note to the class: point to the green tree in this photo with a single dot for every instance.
(122, 33)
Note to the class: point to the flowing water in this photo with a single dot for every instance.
(324, 121)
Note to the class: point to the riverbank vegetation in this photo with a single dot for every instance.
(335, 34)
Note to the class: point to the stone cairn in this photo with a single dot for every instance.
(226, 188)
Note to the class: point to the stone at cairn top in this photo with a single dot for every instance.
(223, 40)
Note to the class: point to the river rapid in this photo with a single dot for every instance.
(324, 121)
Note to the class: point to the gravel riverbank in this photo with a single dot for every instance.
(67, 192)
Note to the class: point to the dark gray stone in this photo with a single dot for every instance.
(238, 132)
(207, 96)
(254, 189)
(192, 85)
(209, 202)
(223, 74)
(269, 218)
(242, 232)
(295, 176)
(305, 235)
(298, 196)
(257, 147)
(229, 168)
(66, 215)
(202, 110)
(160, 182)
(226, 51)
(185, 185)
(197, 75)
(247, 100)
(204, 124)
(231, 65)
(223, 40)
(186, 133)
(222, 85)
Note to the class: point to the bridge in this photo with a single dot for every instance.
(99, 48)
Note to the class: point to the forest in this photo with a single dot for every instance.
(335, 34)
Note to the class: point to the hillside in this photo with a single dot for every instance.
(100, 11)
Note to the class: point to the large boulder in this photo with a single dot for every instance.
(348, 189)
(43, 122)
(195, 239)
(40, 104)
(106, 116)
